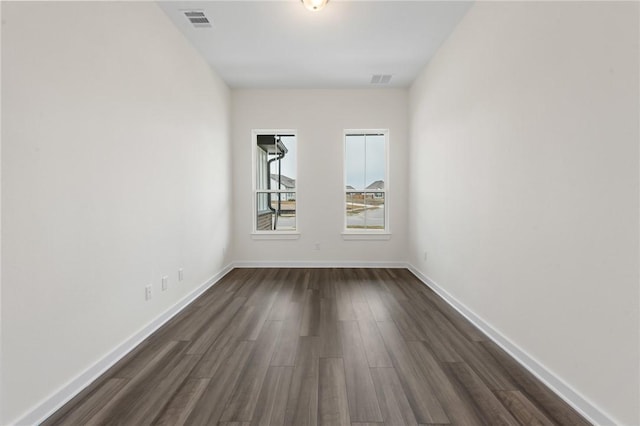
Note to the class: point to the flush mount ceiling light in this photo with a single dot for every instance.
(315, 5)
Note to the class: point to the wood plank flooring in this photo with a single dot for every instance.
(300, 347)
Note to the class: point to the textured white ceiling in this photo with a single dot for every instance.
(280, 44)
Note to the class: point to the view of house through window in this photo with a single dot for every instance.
(365, 174)
(275, 186)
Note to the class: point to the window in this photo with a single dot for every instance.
(274, 191)
(365, 171)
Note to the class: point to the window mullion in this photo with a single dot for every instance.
(364, 198)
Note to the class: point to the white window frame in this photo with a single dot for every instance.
(271, 234)
(366, 234)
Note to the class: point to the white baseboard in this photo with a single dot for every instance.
(572, 397)
(319, 264)
(54, 402)
(63, 395)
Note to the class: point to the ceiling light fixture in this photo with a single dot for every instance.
(315, 5)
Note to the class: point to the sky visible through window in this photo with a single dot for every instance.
(364, 157)
(288, 163)
(364, 160)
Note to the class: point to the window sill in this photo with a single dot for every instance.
(275, 236)
(366, 236)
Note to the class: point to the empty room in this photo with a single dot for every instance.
(350, 213)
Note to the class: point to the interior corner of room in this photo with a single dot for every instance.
(512, 185)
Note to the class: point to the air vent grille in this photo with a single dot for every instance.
(381, 78)
(198, 19)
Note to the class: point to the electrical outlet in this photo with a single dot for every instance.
(316, 246)
(147, 292)
(425, 256)
(180, 274)
(165, 283)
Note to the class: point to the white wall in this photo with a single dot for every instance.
(524, 167)
(320, 118)
(115, 171)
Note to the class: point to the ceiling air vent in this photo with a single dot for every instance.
(380, 78)
(198, 19)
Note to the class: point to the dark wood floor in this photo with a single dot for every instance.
(317, 347)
